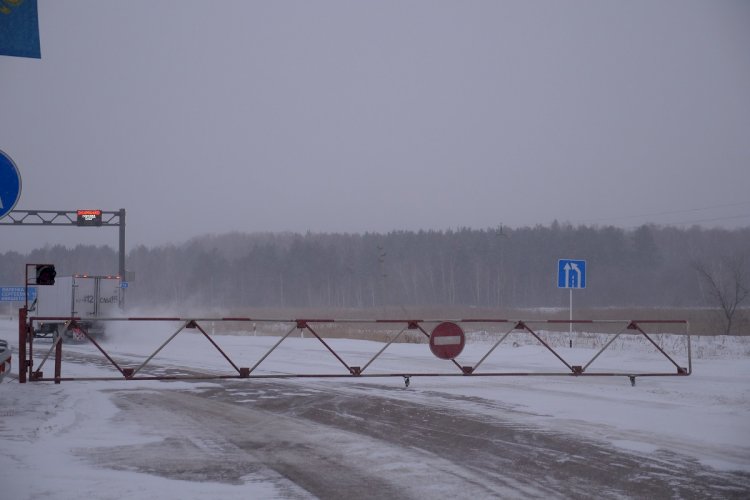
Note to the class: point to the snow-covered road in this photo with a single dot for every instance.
(516, 437)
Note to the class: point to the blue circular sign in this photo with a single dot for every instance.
(10, 184)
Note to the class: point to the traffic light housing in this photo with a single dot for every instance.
(45, 274)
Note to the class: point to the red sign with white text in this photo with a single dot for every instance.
(447, 340)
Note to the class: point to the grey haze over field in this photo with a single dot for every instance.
(209, 117)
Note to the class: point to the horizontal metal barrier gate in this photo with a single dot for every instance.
(27, 370)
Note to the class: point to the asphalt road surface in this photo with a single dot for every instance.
(357, 440)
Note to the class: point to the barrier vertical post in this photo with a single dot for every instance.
(22, 345)
(30, 351)
(58, 359)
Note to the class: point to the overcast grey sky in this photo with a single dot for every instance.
(351, 116)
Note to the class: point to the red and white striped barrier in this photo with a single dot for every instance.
(446, 339)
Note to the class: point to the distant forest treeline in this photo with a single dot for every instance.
(505, 268)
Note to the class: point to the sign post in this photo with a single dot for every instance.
(571, 274)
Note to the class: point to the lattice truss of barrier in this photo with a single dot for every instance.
(496, 347)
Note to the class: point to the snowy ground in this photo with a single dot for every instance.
(373, 436)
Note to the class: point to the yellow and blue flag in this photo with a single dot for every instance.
(19, 29)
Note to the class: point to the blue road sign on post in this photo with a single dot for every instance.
(10, 184)
(15, 294)
(571, 273)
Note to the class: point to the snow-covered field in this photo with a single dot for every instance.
(48, 432)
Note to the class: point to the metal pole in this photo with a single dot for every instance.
(493, 348)
(690, 353)
(273, 348)
(383, 349)
(570, 314)
(122, 244)
(121, 270)
(161, 347)
(30, 338)
(22, 345)
(58, 359)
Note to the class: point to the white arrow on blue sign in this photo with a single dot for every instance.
(10, 184)
(571, 273)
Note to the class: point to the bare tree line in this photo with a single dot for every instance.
(501, 267)
(727, 283)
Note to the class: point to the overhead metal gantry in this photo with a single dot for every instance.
(80, 218)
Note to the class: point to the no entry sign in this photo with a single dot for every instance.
(447, 340)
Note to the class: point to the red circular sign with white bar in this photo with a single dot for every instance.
(447, 340)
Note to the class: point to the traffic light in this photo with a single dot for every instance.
(45, 274)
